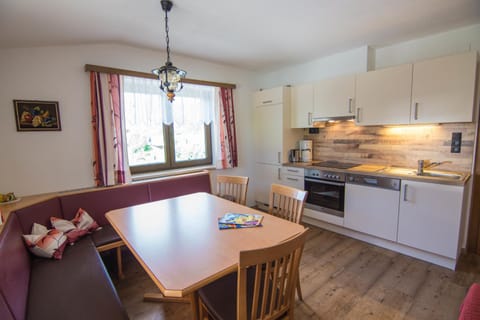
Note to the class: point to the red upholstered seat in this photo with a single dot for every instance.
(470, 308)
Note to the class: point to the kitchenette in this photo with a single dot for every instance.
(380, 165)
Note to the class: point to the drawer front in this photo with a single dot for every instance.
(293, 171)
(293, 181)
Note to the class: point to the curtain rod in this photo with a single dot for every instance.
(124, 72)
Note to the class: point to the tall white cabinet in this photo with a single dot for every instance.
(273, 138)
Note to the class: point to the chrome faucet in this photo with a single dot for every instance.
(421, 166)
(426, 164)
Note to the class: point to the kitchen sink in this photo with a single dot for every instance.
(441, 174)
(426, 173)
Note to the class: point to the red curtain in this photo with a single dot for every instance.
(228, 137)
(108, 156)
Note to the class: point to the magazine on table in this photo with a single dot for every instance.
(232, 220)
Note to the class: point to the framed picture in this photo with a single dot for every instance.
(31, 115)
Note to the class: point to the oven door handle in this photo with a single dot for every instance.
(339, 184)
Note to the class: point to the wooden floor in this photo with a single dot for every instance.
(341, 278)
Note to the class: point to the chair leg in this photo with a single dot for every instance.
(299, 289)
(119, 263)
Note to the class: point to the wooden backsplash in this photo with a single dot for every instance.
(394, 146)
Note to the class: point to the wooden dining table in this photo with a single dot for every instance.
(179, 244)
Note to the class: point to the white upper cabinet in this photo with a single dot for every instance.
(334, 97)
(383, 96)
(444, 89)
(269, 96)
(302, 106)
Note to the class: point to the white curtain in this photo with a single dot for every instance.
(151, 105)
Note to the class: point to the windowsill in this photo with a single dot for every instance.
(167, 173)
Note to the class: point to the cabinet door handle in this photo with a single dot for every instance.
(293, 170)
(267, 101)
(292, 179)
(350, 100)
(309, 118)
(279, 176)
(357, 116)
(415, 111)
(405, 188)
(279, 157)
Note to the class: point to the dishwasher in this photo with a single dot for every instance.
(372, 204)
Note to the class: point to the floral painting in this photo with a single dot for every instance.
(33, 115)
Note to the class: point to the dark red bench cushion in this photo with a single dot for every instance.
(15, 269)
(76, 287)
(39, 213)
(5, 313)
(470, 308)
(179, 186)
(97, 203)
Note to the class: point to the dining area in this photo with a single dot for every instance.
(234, 273)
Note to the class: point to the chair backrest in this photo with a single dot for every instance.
(274, 283)
(287, 202)
(233, 188)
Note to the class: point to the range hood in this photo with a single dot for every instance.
(334, 118)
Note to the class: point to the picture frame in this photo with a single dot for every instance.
(34, 115)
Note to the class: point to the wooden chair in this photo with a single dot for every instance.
(288, 203)
(262, 288)
(233, 188)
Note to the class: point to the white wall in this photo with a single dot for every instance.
(437, 45)
(41, 162)
(347, 62)
(366, 58)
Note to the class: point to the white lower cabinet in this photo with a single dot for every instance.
(371, 210)
(430, 217)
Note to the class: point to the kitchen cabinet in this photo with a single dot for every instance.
(443, 89)
(273, 138)
(292, 177)
(265, 175)
(302, 106)
(334, 98)
(430, 217)
(383, 96)
(372, 210)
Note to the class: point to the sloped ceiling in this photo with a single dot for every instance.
(251, 34)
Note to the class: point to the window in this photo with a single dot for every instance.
(161, 135)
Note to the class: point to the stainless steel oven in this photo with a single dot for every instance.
(326, 191)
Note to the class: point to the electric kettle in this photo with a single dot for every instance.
(294, 155)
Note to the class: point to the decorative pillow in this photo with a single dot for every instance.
(83, 221)
(77, 228)
(70, 230)
(46, 243)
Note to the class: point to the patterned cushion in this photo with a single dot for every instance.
(46, 243)
(81, 225)
(83, 221)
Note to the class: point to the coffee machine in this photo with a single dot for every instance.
(306, 148)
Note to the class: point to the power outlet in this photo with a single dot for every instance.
(456, 142)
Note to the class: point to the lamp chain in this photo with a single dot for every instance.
(167, 37)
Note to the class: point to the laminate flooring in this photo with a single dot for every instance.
(341, 278)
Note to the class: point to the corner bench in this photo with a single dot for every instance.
(78, 286)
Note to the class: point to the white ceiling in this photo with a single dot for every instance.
(253, 34)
